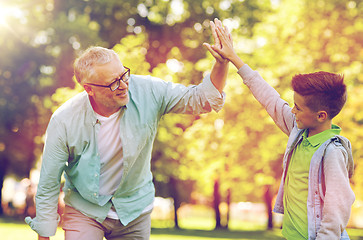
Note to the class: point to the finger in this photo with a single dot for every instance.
(212, 26)
(223, 30)
(222, 36)
(219, 23)
(216, 50)
(216, 55)
(226, 30)
(209, 47)
(212, 49)
(229, 34)
(214, 33)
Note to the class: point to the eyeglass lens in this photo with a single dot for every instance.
(125, 77)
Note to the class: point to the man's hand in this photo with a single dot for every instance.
(217, 42)
(225, 47)
(43, 238)
(219, 72)
(225, 42)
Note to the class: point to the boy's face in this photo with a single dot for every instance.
(305, 117)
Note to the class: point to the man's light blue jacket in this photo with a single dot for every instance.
(71, 148)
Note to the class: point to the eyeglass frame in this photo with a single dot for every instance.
(117, 79)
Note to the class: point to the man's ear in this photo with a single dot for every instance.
(88, 89)
(322, 116)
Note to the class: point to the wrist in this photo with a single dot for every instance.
(222, 61)
(237, 61)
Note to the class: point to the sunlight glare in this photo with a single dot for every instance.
(2, 16)
(6, 12)
(177, 7)
(174, 65)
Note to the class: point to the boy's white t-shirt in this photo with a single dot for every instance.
(111, 157)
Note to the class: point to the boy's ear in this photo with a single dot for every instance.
(322, 116)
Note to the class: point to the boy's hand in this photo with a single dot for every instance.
(225, 48)
(217, 44)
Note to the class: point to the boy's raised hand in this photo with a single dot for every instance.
(225, 46)
(217, 43)
(225, 49)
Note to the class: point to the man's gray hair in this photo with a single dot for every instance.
(84, 65)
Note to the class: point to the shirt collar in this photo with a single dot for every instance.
(92, 116)
(320, 138)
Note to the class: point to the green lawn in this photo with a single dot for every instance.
(14, 230)
(184, 234)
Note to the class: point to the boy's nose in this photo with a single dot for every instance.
(293, 111)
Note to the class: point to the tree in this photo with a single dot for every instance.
(240, 145)
(35, 61)
(280, 50)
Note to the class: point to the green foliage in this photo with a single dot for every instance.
(36, 59)
(239, 145)
(315, 36)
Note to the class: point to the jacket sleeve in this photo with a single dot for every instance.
(193, 99)
(55, 156)
(277, 108)
(339, 196)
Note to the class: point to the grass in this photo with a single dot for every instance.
(17, 230)
(13, 230)
(184, 234)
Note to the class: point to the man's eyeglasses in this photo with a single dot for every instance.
(116, 84)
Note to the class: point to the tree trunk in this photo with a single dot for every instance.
(268, 202)
(174, 194)
(3, 168)
(229, 206)
(216, 202)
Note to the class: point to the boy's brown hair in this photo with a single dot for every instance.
(322, 91)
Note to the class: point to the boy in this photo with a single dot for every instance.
(314, 195)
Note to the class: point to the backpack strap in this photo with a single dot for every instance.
(337, 139)
(322, 187)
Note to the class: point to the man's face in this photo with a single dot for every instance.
(105, 101)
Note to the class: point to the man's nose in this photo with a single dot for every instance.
(122, 85)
